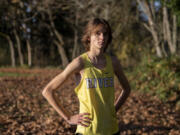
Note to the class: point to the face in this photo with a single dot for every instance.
(99, 37)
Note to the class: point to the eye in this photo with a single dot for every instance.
(98, 33)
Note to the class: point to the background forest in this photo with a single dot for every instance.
(46, 34)
(43, 33)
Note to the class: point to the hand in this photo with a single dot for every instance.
(80, 119)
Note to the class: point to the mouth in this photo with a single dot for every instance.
(101, 42)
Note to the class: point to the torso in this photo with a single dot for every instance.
(95, 91)
(100, 65)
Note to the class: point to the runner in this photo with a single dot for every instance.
(94, 71)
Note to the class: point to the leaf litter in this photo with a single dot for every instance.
(23, 109)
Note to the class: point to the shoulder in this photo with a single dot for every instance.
(114, 60)
(116, 64)
(77, 63)
(75, 66)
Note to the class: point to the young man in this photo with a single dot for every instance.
(94, 72)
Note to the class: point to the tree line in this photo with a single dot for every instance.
(43, 32)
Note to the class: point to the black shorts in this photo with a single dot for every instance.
(113, 134)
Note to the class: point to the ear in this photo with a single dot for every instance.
(88, 39)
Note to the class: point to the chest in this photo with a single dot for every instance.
(101, 64)
(96, 78)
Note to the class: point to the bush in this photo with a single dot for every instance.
(157, 76)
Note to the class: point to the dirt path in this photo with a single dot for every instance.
(23, 110)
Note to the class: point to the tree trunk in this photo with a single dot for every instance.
(60, 41)
(13, 60)
(174, 33)
(74, 53)
(164, 44)
(62, 53)
(61, 49)
(75, 48)
(21, 58)
(152, 9)
(156, 44)
(29, 53)
(168, 31)
(106, 12)
(151, 26)
(155, 38)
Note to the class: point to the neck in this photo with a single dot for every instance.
(96, 54)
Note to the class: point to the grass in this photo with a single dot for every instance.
(9, 74)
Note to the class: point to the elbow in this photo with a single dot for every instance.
(128, 90)
(43, 92)
(46, 92)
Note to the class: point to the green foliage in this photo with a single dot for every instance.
(175, 6)
(157, 76)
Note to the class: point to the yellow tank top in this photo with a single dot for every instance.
(96, 96)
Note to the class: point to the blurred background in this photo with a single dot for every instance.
(39, 37)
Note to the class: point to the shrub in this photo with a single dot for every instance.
(160, 77)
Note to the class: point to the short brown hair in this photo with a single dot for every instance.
(90, 27)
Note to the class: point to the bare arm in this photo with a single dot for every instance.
(48, 92)
(123, 81)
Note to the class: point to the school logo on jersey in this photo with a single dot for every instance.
(99, 82)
